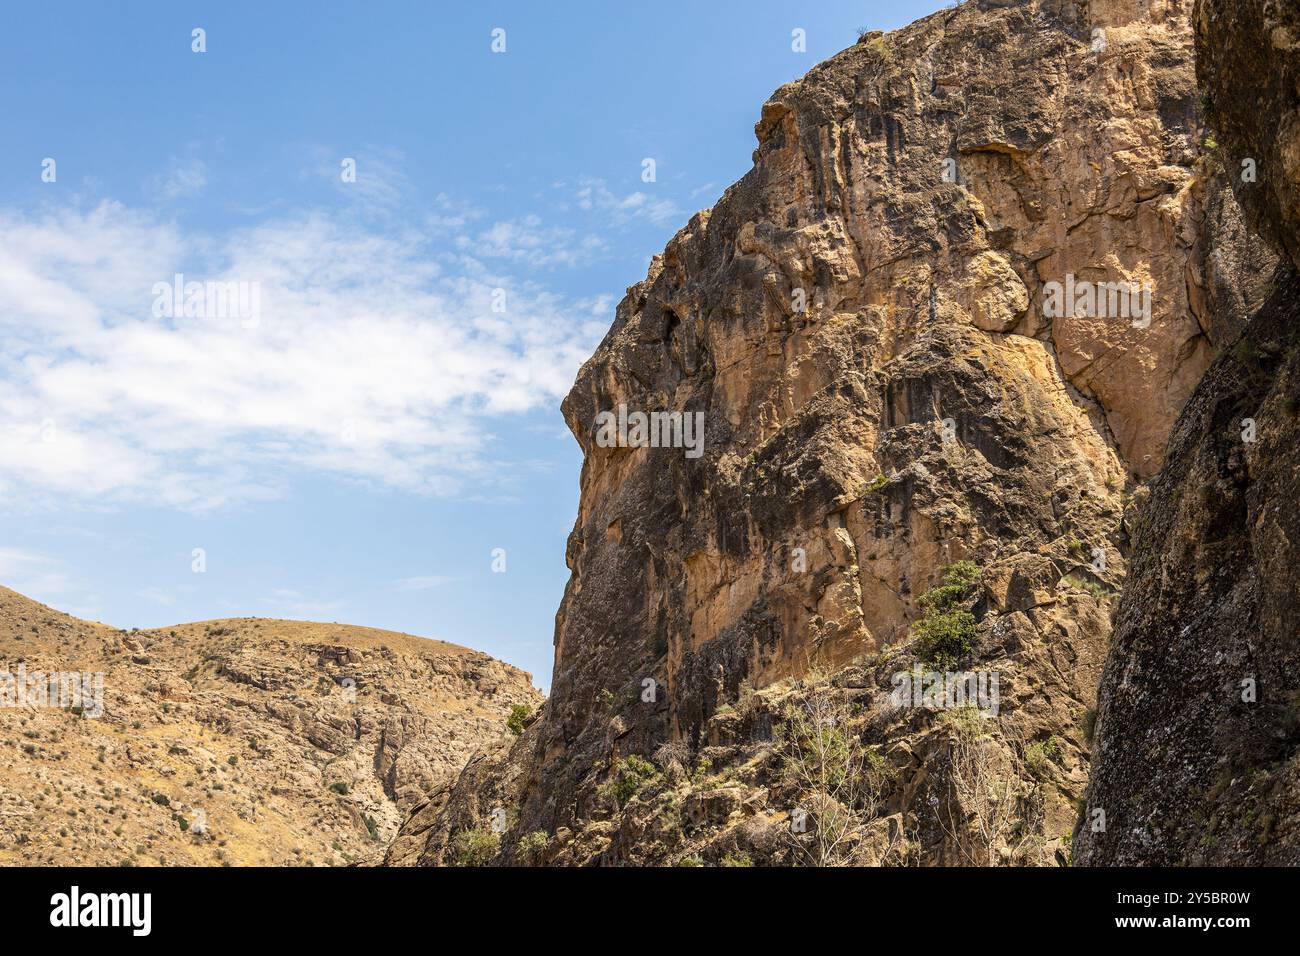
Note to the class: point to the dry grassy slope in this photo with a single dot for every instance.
(247, 722)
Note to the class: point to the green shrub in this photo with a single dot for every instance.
(945, 637)
(818, 751)
(518, 714)
(340, 788)
(945, 631)
(474, 847)
(736, 859)
(880, 48)
(630, 775)
(533, 847)
(941, 597)
(1089, 724)
(964, 574)
(1099, 591)
(966, 722)
(1040, 755)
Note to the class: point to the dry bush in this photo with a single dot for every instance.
(841, 783)
(989, 808)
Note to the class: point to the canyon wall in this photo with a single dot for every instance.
(865, 324)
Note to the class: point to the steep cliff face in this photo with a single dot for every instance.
(866, 326)
(1198, 758)
(245, 741)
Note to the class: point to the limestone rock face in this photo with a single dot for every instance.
(863, 324)
(1198, 757)
(246, 741)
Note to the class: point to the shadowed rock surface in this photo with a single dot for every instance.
(1248, 65)
(1198, 758)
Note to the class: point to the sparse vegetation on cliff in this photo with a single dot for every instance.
(533, 847)
(630, 775)
(946, 631)
(840, 781)
(518, 714)
(217, 743)
(474, 847)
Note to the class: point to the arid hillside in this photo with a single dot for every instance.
(234, 742)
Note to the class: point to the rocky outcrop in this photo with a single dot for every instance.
(245, 741)
(1198, 758)
(878, 330)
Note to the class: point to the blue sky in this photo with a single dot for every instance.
(355, 447)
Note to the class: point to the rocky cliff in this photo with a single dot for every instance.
(1198, 759)
(245, 741)
(921, 453)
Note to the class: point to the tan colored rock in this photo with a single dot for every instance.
(993, 293)
(1022, 582)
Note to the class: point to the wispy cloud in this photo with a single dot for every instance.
(47, 580)
(384, 357)
(639, 205)
(374, 176)
(32, 574)
(185, 179)
(530, 241)
(157, 596)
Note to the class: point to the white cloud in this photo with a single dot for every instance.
(594, 195)
(47, 580)
(376, 357)
(449, 213)
(379, 185)
(157, 596)
(183, 180)
(528, 240)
